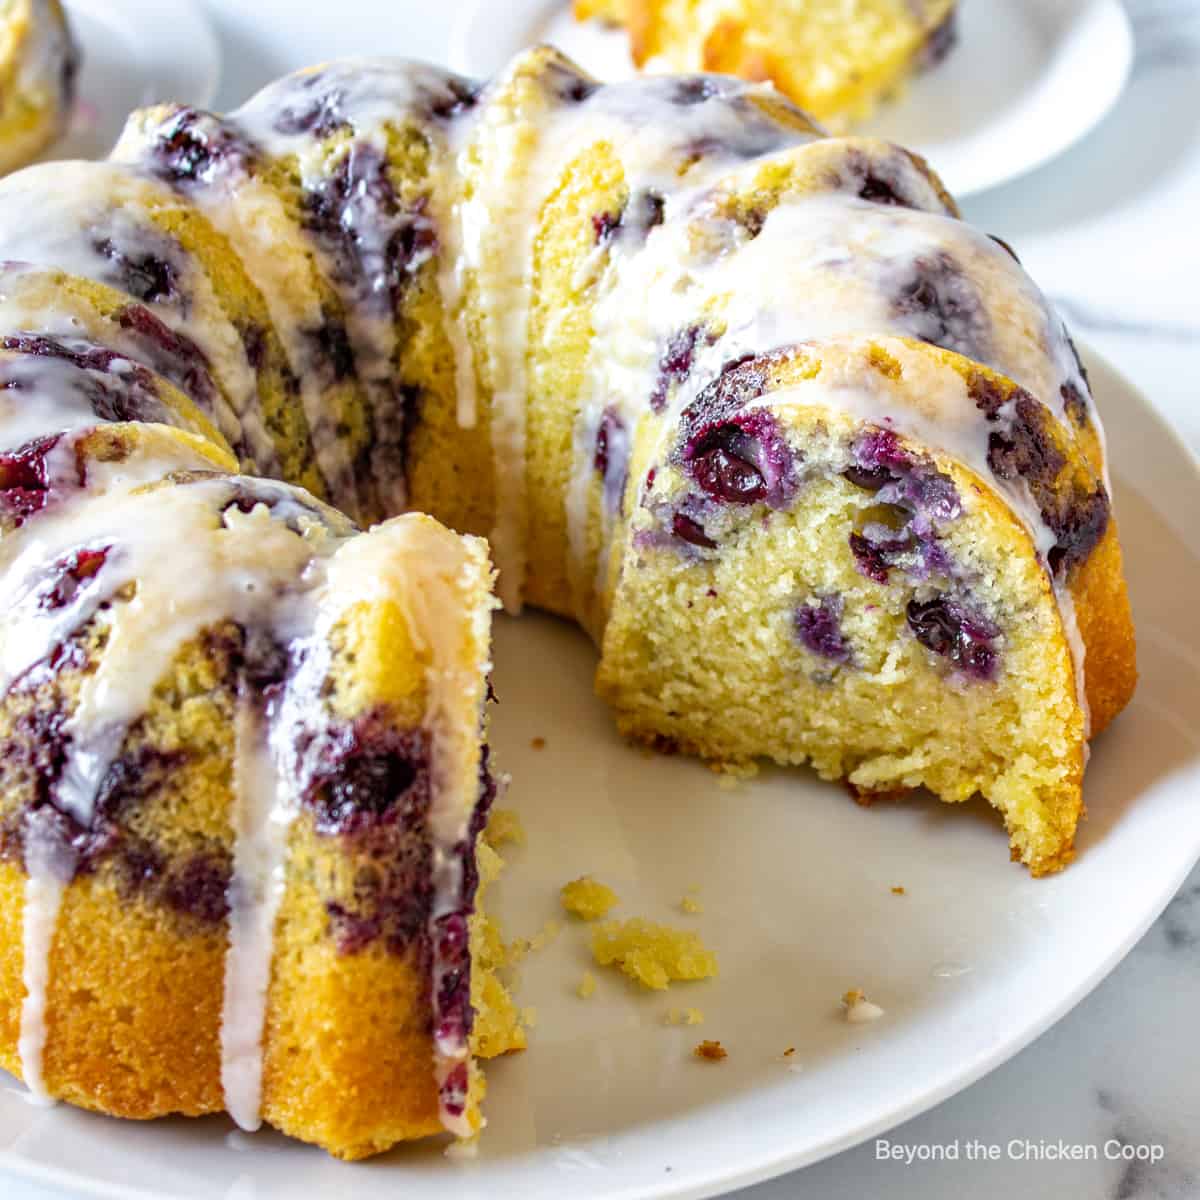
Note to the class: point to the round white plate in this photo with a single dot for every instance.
(1026, 80)
(135, 52)
(970, 964)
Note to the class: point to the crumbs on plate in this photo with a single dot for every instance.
(587, 898)
(652, 955)
(858, 1009)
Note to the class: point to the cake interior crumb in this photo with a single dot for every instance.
(712, 1051)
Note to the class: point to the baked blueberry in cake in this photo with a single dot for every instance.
(813, 461)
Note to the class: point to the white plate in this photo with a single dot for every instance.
(135, 52)
(972, 963)
(1026, 80)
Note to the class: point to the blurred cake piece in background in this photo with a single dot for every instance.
(39, 62)
(837, 59)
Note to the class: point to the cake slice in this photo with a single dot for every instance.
(39, 62)
(243, 778)
(880, 558)
(837, 60)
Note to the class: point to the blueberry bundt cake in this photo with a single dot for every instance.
(837, 59)
(814, 463)
(38, 65)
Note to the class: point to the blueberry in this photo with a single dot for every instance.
(333, 343)
(876, 557)
(819, 627)
(604, 225)
(937, 303)
(374, 241)
(368, 773)
(195, 147)
(675, 363)
(146, 276)
(645, 211)
(320, 114)
(73, 574)
(25, 478)
(172, 355)
(949, 629)
(738, 383)
(691, 531)
(460, 96)
(722, 465)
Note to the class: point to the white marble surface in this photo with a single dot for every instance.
(1112, 231)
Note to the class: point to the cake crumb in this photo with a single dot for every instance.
(587, 986)
(529, 1017)
(735, 771)
(898, 891)
(712, 1051)
(520, 947)
(652, 955)
(690, 904)
(538, 743)
(587, 898)
(789, 1052)
(858, 1008)
(867, 798)
(505, 826)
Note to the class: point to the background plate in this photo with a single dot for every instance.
(1026, 80)
(135, 52)
(970, 964)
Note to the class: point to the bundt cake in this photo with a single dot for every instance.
(837, 59)
(813, 461)
(38, 65)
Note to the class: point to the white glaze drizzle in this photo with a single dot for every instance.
(251, 215)
(49, 866)
(261, 818)
(56, 215)
(374, 96)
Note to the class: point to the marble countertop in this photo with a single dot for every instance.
(1110, 230)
